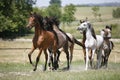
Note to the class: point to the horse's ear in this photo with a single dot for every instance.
(81, 21)
(34, 13)
(31, 13)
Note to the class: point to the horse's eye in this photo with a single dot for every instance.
(84, 24)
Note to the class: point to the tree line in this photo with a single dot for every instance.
(14, 15)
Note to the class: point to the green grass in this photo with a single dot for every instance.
(19, 71)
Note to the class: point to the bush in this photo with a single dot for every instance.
(116, 13)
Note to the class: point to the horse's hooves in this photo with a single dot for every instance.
(34, 69)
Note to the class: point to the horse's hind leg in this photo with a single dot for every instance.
(67, 55)
(37, 59)
(71, 52)
(29, 55)
(46, 59)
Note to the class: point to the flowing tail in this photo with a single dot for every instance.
(78, 43)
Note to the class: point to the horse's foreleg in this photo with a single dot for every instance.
(29, 55)
(37, 59)
(92, 58)
(84, 54)
(99, 57)
(46, 59)
(87, 58)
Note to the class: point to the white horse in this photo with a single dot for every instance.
(93, 42)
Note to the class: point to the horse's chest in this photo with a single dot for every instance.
(90, 43)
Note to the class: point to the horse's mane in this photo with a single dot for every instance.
(92, 30)
(39, 18)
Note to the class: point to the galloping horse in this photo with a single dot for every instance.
(107, 45)
(42, 39)
(92, 42)
(63, 39)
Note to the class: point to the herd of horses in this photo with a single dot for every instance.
(48, 36)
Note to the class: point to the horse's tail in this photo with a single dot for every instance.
(78, 42)
(66, 36)
(112, 44)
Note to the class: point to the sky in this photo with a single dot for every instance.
(41, 3)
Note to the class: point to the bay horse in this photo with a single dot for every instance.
(92, 42)
(42, 39)
(107, 45)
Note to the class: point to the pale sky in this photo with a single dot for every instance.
(41, 3)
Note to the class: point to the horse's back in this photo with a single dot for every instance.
(99, 40)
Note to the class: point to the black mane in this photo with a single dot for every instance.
(92, 30)
(39, 18)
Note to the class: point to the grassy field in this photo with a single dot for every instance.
(14, 64)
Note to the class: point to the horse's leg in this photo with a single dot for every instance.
(50, 60)
(67, 55)
(58, 55)
(99, 57)
(46, 59)
(37, 59)
(84, 54)
(87, 58)
(92, 58)
(29, 55)
(106, 59)
(71, 52)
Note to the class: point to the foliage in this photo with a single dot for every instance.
(54, 10)
(68, 15)
(13, 15)
(96, 12)
(116, 13)
(58, 2)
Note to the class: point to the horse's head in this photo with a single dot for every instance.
(106, 33)
(83, 26)
(34, 20)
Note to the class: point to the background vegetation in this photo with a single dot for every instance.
(14, 15)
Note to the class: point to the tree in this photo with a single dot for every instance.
(13, 15)
(58, 2)
(116, 13)
(54, 10)
(68, 15)
(96, 13)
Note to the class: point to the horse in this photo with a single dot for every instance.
(107, 45)
(42, 39)
(92, 42)
(63, 39)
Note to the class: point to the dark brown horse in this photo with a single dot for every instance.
(52, 25)
(42, 39)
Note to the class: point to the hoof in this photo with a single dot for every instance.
(34, 69)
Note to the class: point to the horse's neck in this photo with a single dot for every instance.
(38, 30)
(84, 37)
(88, 34)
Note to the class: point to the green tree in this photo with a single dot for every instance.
(54, 10)
(13, 15)
(68, 15)
(95, 11)
(116, 13)
(58, 2)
